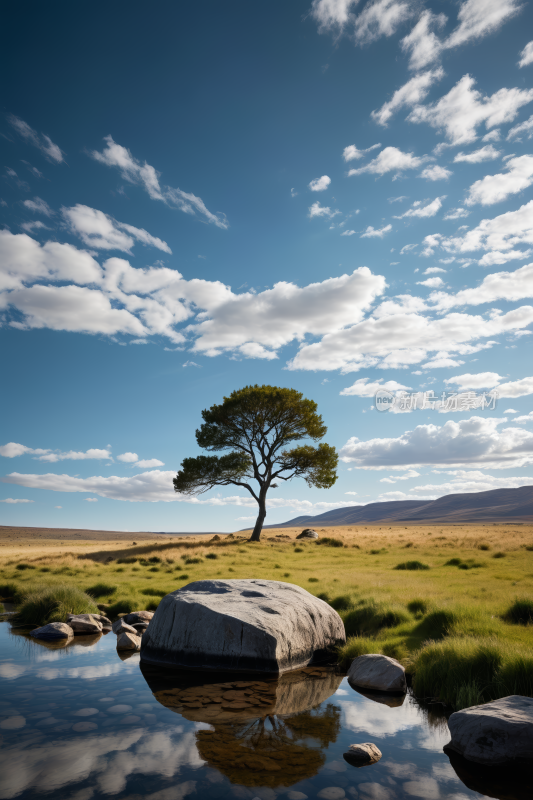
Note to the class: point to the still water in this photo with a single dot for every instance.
(84, 723)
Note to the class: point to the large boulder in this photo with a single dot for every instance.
(246, 625)
(52, 631)
(308, 533)
(495, 732)
(138, 616)
(377, 672)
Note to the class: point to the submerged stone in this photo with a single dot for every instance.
(244, 625)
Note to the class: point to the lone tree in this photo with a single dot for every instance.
(256, 425)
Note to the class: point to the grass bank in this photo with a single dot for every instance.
(427, 595)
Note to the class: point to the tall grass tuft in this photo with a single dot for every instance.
(412, 565)
(123, 606)
(372, 617)
(9, 591)
(521, 612)
(53, 604)
(102, 589)
(357, 646)
(330, 541)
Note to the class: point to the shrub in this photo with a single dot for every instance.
(182, 577)
(323, 596)
(298, 549)
(154, 592)
(53, 604)
(211, 555)
(313, 580)
(192, 560)
(25, 566)
(45, 569)
(128, 560)
(341, 603)
(411, 565)
(155, 560)
(102, 589)
(499, 554)
(330, 541)
(483, 547)
(453, 562)
(8, 590)
(419, 606)
(154, 569)
(521, 612)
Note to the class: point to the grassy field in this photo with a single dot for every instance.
(453, 603)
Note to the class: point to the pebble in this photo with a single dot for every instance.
(120, 709)
(12, 723)
(86, 712)
(82, 727)
(332, 793)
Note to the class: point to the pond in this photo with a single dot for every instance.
(83, 722)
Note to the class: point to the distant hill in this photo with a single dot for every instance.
(496, 505)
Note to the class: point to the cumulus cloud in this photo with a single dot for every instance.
(380, 18)
(476, 441)
(496, 188)
(319, 184)
(519, 388)
(332, 15)
(316, 210)
(456, 213)
(435, 173)
(40, 140)
(375, 233)
(391, 159)
(487, 153)
(526, 55)
(403, 339)
(352, 153)
(421, 211)
(101, 231)
(432, 283)
(39, 206)
(133, 171)
(363, 388)
(510, 286)
(408, 95)
(524, 128)
(479, 380)
(12, 500)
(460, 112)
(128, 458)
(422, 42)
(464, 481)
(35, 225)
(13, 449)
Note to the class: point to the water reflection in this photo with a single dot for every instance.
(494, 781)
(264, 732)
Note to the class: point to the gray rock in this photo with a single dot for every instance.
(54, 630)
(128, 641)
(361, 755)
(89, 617)
(495, 732)
(84, 623)
(140, 627)
(138, 616)
(377, 672)
(308, 533)
(119, 626)
(258, 625)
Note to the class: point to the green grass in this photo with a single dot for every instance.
(9, 590)
(52, 604)
(521, 612)
(102, 589)
(412, 565)
(330, 541)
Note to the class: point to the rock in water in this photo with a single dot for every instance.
(248, 625)
(495, 732)
(377, 672)
(54, 630)
(362, 755)
(119, 626)
(138, 616)
(89, 618)
(128, 641)
(308, 534)
(84, 623)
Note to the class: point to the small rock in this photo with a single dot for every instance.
(374, 671)
(54, 630)
(332, 793)
(82, 727)
(138, 616)
(128, 641)
(495, 732)
(89, 617)
(308, 533)
(119, 626)
(361, 755)
(85, 623)
(12, 723)
(119, 709)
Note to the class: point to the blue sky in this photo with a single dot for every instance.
(333, 196)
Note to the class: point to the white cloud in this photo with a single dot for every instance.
(316, 210)
(496, 188)
(41, 141)
(128, 458)
(403, 339)
(526, 55)
(435, 173)
(332, 14)
(487, 153)
(419, 211)
(380, 18)
(474, 441)
(433, 270)
(510, 286)
(519, 388)
(348, 233)
(523, 419)
(319, 184)
(433, 283)
(73, 455)
(13, 449)
(352, 152)
(410, 94)
(36, 225)
(463, 109)
(510, 411)
(523, 128)
(477, 18)
(361, 387)
(391, 159)
(11, 500)
(91, 499)
(114, 155)
(478, 380)
(422, 42)
(99, 230)
(39, 206)
(379, 233)
(147, 463)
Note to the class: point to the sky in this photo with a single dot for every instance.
(328, 195)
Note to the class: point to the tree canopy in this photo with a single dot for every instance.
(256, 425)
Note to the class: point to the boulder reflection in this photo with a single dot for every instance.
(264, 732)
(504, 782)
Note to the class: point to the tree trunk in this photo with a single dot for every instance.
(256, 535)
